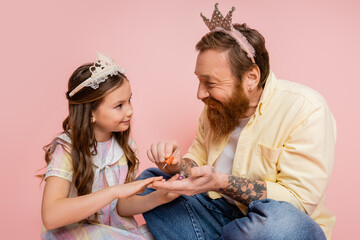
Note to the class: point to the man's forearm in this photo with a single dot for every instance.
(187, 164)
(243, 190)
(239, 189)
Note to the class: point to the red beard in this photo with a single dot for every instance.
(225, 117)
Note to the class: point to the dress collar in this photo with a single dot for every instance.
(114, 154)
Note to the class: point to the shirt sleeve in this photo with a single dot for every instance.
(60, 164)
(197, 151)
(306, 160)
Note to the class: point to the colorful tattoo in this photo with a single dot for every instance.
(244, 190)
(187, 165)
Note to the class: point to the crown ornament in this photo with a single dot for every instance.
(102, 68)
(218, 20)
(220, 24)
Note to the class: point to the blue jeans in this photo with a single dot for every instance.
(200, 217)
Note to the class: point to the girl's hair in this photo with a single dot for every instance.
(79, 128)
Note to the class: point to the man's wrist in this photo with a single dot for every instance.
(221, 181)
(173, 169)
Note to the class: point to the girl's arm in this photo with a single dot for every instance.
(139, 204)
(59, 210)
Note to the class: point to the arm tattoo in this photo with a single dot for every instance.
(244, 190)
(187, 165)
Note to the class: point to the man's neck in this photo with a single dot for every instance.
(254, 99)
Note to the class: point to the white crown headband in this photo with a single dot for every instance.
(220, 24)
(100, 71)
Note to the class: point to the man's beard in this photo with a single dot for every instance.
(225, 117)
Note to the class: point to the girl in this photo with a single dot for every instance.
(90, 180)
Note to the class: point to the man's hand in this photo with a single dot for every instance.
(165, 196)
(161, 151)
(200, 179)
(206, 178)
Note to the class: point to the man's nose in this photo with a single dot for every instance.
(202, 92)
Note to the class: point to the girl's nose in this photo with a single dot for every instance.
(130, 110)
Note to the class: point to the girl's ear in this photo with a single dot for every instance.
(92, 119)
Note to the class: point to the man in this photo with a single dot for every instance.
(260, 163)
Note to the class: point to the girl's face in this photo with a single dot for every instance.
(114, 113)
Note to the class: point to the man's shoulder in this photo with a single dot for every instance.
(298, 91)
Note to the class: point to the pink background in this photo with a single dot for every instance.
(42, 42)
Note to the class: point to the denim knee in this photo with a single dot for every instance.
(152, 172)
(270, 219)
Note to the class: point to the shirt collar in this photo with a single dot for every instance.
(267, 93)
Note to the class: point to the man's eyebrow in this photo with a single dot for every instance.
(208, 77)
(203, 76)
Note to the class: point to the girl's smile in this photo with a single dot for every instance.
(114, 113)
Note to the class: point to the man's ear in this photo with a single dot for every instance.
(252, 78)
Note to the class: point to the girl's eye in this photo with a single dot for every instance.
(119, 106)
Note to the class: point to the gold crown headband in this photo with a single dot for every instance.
(220, 24)
(100, 71)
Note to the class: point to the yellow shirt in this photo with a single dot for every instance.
(289, 142)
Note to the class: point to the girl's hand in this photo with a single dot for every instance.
(164, 195)
(161, 151)
(136, 187)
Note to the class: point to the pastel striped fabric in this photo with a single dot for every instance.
(112, 226)
(91, 232)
